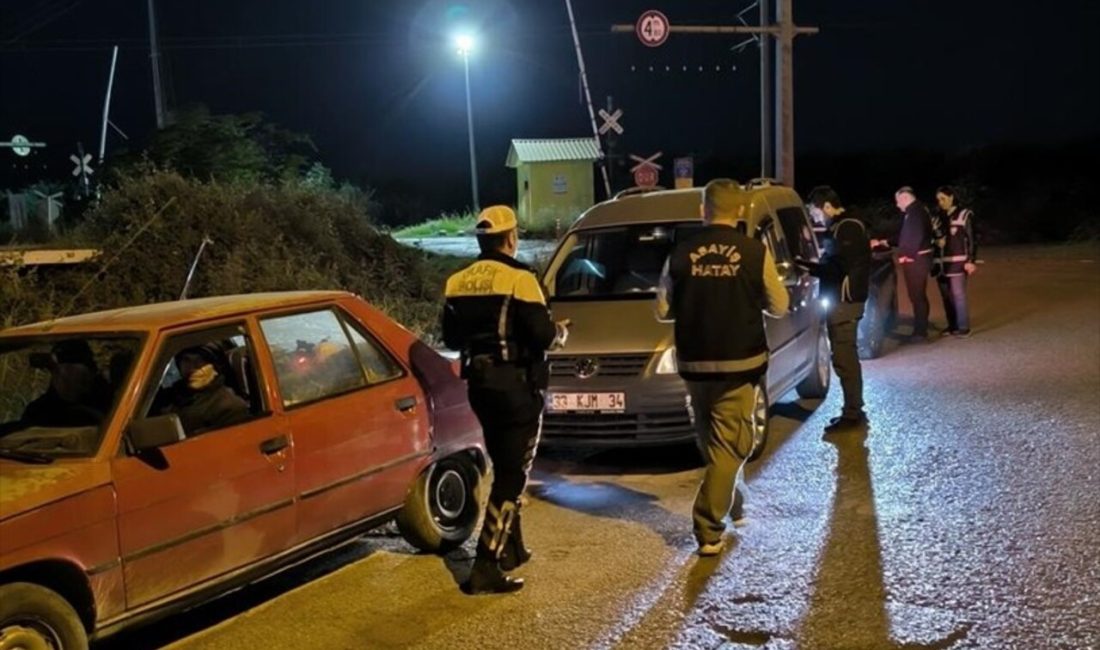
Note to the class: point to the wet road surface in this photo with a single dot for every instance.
(967, 517)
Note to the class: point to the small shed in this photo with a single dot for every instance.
(554, 179)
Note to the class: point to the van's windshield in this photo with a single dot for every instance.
(610, 263)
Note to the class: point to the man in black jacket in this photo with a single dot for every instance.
(915, 244)
(496, 315)
(845, 277)
(201, 399)
(715, 285)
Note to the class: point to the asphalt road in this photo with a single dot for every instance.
(968, 517)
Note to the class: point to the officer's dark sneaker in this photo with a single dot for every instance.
(846, 423)
(513, 560)
(487, 578)
(960, 334)
(502, 584)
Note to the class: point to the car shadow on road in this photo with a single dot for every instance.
(848, 586)
(612, 501)
(604, 462)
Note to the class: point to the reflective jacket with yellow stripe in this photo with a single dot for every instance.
(495, 309)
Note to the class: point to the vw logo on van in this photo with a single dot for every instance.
(587, 368)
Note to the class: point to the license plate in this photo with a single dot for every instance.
(608, 402)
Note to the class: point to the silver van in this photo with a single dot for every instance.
(615, 383)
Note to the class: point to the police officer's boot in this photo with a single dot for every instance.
(487, 578)
(515, 553)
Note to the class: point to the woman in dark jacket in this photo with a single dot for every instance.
(957, 261)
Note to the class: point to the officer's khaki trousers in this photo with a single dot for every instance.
(723, 422)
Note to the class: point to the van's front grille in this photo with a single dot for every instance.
(604, 365)
(623, 426)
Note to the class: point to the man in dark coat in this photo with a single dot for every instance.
(200, 398)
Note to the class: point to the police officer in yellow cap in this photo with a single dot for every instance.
(496, 316)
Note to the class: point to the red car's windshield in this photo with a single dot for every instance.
(57, 393)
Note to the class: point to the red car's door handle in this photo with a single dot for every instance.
(405, 404)
(274, 445)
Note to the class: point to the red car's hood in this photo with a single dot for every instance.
(26, 487)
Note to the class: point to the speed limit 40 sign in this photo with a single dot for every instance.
(652, 28)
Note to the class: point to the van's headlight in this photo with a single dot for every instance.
(667, 363)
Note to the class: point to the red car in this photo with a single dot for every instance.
(153, 457)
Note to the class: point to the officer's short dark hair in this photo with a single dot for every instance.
(823, 194)
(492, 243)
(947, 190)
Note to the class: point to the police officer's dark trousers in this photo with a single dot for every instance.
(843, 324)
(916, 283)
(953, 291)
(510, 412)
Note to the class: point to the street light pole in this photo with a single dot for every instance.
(465, 51)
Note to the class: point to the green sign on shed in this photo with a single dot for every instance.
(554, 179)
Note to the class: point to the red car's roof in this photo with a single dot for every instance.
(167, 314)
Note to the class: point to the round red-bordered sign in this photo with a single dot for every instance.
(645, 176)
(652, 28)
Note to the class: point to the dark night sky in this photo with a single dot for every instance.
(378, 86)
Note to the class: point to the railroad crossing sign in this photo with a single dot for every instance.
(645, 172)
(646, 162)
(82, 166)
(652, 28)
(611, 121)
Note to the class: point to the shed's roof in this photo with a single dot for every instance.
(565, 149)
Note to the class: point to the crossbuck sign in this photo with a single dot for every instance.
(611, 121)
(82, 166)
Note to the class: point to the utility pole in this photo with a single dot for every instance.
(766, 138)
(784, 31)
(154, 55)
(107, 107)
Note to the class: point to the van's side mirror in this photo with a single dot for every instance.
(156, 432)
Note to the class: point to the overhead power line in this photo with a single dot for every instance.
(49, 15)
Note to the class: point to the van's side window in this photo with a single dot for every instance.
(799, 234)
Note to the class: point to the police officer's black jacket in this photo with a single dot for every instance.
(917, 231)
(960, 245)
(845, 270)
(495, 312)
(717, 290)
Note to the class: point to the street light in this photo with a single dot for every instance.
(465, 45)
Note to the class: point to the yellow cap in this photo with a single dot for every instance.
(495, 219)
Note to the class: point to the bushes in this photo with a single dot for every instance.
(265, 238)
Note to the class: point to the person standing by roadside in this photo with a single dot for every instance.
(845, 278)
(957, 262)
(495, 314)
(715, 285)
(915, 244)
